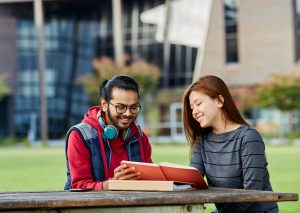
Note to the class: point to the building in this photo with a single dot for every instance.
(247, 42)
(74, 33)
(242, 41)
(261, 38)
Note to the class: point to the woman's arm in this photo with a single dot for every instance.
(254, 162)
(197, 159)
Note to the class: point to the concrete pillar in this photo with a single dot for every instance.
(117, 29)
(39, 24)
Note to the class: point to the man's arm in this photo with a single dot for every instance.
(80, 164)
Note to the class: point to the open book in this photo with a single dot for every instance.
(169, 172)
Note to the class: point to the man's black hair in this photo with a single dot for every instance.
(118, 81)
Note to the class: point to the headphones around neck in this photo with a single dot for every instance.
(111, 131)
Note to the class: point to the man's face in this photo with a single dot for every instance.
(117, 110)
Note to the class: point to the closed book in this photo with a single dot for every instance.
(169, 172)
(144, 185)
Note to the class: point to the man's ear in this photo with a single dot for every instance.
(104, 104)
(220, 101)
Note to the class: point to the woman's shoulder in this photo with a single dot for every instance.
(250, 133)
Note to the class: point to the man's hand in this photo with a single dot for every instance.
(123, 172)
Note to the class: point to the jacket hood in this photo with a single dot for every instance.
(91, 117)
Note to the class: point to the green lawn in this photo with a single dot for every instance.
(30, 169)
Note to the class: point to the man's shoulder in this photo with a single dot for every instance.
(86, 130)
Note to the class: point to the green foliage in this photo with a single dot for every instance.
(281, 92)
(4, 89)
(146, 75)
(153, 117)
(25, 142)
(9, 141)
(293, 135)
(13, 141)
(269, 135)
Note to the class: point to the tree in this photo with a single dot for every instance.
(281, 92)
(146, 75)
(4, 89)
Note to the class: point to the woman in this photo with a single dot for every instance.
(225, 149)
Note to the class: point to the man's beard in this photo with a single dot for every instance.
(114, 121)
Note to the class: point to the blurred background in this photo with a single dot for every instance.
(50, 51)
(55, 53)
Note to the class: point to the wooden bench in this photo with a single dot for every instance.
(132, 201)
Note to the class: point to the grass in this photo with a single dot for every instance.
(284, 170)
(31, 169)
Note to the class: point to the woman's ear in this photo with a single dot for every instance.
(220, 101)
(104, 104)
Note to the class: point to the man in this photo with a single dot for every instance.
(106, 136)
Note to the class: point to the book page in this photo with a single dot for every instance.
(181, 187)
(175, 165)
(141, 185)
(149, 171)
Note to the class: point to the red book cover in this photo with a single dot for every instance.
(149, 171)
(169, 171)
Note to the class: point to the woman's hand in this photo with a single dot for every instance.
(123, 172)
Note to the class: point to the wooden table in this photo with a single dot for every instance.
(131, 201)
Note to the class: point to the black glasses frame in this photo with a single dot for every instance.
(122, 108)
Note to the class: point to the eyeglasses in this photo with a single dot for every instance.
(122, 108)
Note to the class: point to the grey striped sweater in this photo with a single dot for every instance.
(235, 159)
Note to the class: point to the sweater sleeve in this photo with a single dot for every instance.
(196, 158)
(253, 165)
(253, 160)
(80, 163)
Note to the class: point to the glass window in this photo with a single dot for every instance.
(231, 31)
(297, 29)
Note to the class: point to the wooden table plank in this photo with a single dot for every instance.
(66, 199)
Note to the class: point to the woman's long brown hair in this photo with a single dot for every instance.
(212, 86)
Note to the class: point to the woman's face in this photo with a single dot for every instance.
(206, 111)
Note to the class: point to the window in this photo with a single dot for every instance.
(231, 31)
(297, 29)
